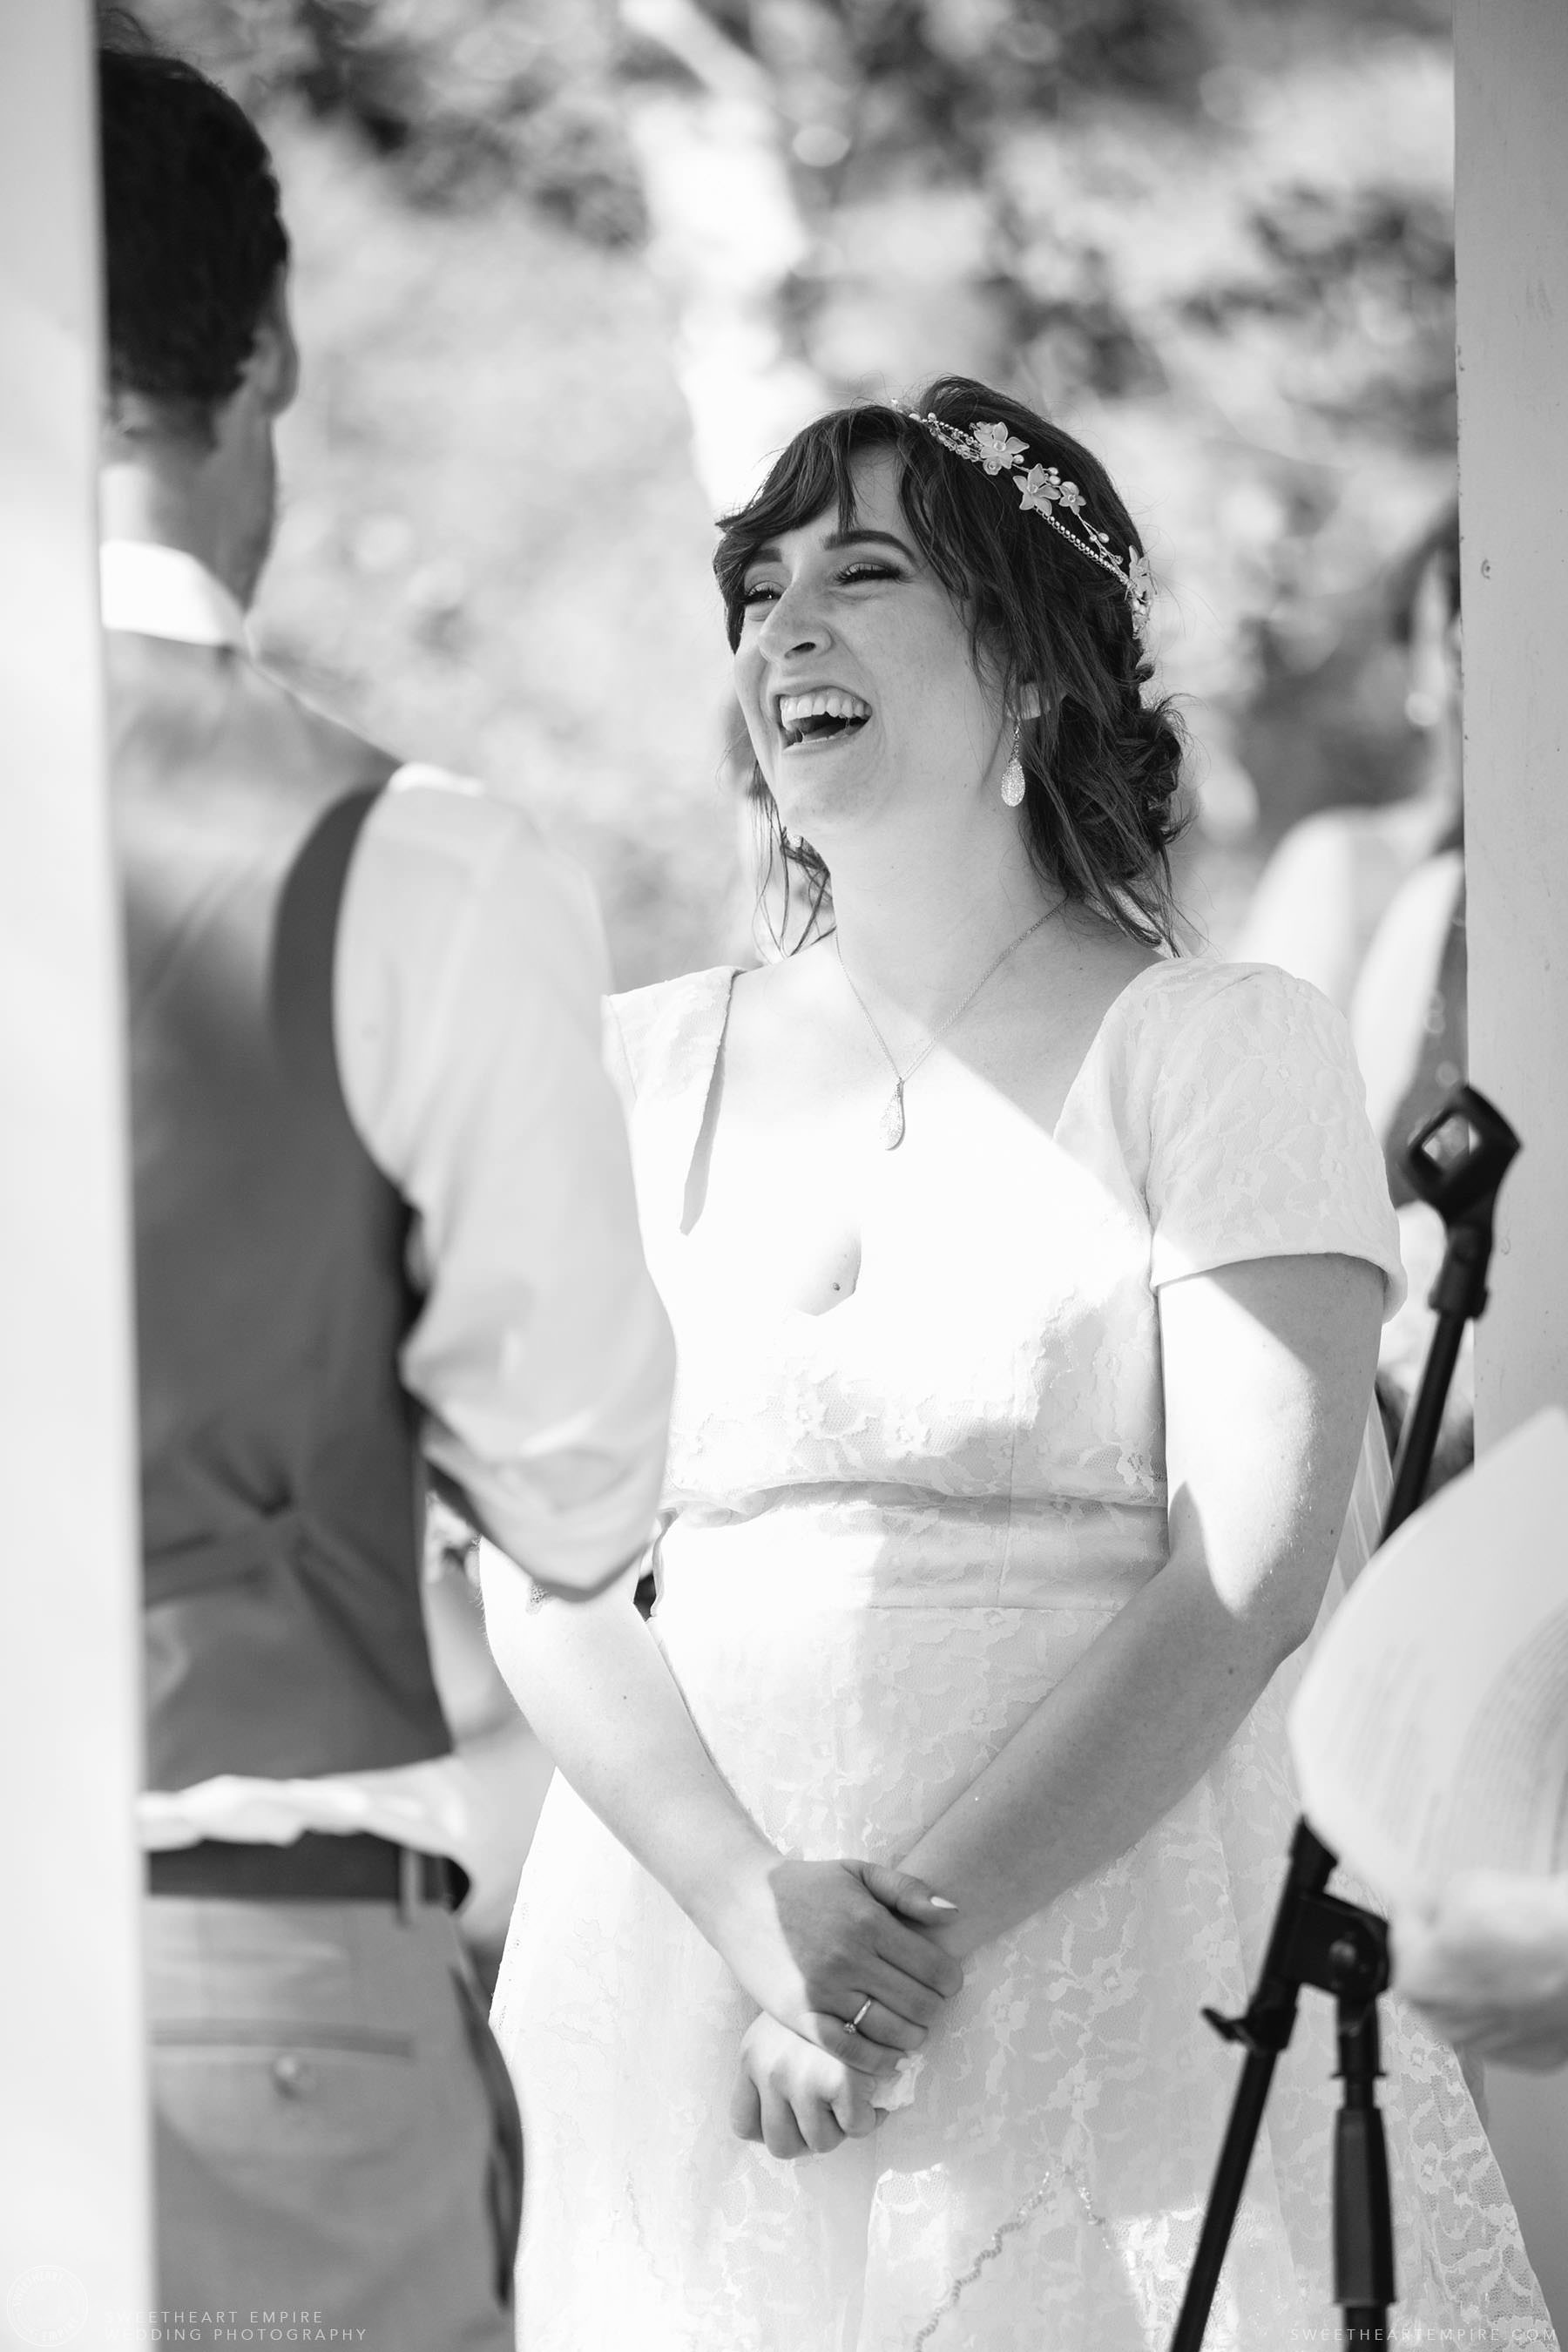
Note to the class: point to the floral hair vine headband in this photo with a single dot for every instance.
(1042, 491)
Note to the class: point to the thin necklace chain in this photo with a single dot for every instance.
(892, 1124)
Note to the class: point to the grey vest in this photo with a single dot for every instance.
(281, 1487)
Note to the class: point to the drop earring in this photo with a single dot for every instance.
(1013, 775)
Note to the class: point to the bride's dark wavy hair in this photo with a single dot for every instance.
(1102, 763)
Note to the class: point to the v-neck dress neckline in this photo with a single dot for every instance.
(680, 1094)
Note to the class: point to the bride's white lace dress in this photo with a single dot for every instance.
(895, 1525)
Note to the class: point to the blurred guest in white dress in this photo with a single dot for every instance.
(1333, 877)
(1369, 905)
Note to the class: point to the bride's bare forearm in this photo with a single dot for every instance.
(593, 1686)
(1119, 1741)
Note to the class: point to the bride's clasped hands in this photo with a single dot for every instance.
(835, 1951)
(844, 1958)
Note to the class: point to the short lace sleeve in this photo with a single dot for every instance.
(1260, 1142)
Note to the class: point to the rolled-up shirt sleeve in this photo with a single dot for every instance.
(469, 976)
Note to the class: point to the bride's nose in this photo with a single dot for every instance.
(793, 624)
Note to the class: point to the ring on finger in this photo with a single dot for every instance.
(859, 2017)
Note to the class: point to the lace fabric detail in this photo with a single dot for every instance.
(990, 2250)
(892, 1531)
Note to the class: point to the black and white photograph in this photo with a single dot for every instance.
(783, 1062)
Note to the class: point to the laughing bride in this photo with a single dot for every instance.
(1027, 1279)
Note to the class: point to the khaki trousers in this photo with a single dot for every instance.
(337, 2145)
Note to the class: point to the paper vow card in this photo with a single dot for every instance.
(1430, 1731)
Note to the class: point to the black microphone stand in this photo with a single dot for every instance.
(1456, 1161)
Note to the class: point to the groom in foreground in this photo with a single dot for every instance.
(383, 1211)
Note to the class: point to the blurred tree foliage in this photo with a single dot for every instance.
(465, 99)
(1214, 236)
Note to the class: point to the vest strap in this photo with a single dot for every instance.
(199, 1567)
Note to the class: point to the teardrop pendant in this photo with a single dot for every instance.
(891, 1126)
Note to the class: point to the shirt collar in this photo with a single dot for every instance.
(162, 592)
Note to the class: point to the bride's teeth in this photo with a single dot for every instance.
(828, 702)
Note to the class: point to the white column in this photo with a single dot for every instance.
(1513, 235)
(73, 2140)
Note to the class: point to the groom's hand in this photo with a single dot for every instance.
(1487, 1964)
(818, 1943)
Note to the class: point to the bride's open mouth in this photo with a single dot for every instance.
(827, 716)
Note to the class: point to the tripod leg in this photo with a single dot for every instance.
(1364, 2219)
(1265, 2030)
(1224, 2197)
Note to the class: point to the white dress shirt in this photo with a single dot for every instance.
(470, 966)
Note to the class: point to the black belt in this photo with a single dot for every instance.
(317, 1868)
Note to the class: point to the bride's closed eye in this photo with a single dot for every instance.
(761, 592)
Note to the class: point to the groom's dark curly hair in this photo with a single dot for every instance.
(192, 234)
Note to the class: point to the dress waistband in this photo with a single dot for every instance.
(833, 1547)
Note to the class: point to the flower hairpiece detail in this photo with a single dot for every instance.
(1042, 491)
(997, 449)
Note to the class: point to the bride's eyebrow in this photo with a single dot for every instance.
(836, 539)
(870, 539)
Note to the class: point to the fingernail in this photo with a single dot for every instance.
(941, 1903)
